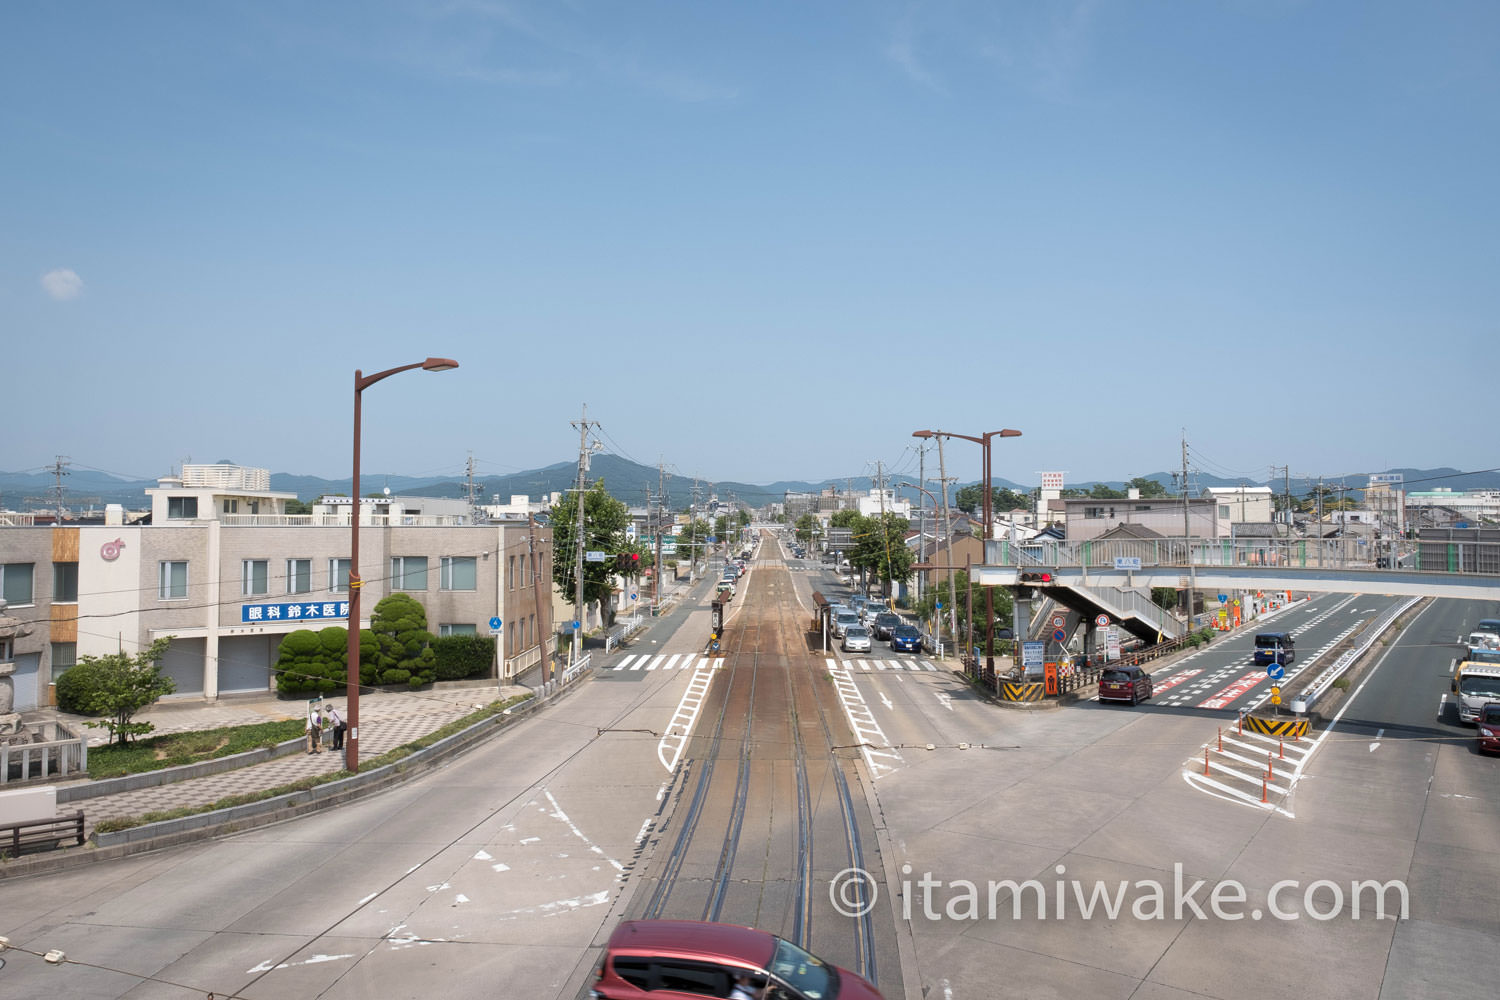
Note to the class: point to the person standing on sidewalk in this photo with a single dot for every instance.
(314, 730)
(339, 727)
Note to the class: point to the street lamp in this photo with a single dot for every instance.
(989, 597)
(361, 383)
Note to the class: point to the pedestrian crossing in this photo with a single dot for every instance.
(687, 661)
(909, 663)
(665, 661)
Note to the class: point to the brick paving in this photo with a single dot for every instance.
(386, 720)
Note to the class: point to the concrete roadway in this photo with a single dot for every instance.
(501, 874)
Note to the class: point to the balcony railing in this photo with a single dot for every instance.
(341, 520)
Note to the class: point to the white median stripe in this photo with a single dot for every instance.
(669, 748)
(880, 757)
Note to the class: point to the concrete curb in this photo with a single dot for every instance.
(203, 826)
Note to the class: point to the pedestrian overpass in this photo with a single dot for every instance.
(1464, 570)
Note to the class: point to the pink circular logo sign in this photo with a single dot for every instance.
(110, 551)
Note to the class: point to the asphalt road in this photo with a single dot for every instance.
(502, 873)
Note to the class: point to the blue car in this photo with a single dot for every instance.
(906, 639)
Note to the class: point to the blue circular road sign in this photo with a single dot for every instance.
(575, 625)
(1276, 671)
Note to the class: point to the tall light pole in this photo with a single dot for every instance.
(989, 598)
(361, 383)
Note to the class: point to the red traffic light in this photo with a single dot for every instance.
(635, 557)
(1036, 577)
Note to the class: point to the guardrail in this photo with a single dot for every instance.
(620, 631)
(1437, 557)
(61, 756)
(1321, 683)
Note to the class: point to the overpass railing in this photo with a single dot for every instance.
(1446, 557)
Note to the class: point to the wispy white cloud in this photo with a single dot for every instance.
(901, 49)
(62, 284)
(1048, 58)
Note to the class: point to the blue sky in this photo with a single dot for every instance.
(761, 241)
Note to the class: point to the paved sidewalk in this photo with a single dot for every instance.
(386, 720)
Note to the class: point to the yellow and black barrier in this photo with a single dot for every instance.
(1022, 692)
(1294, 729)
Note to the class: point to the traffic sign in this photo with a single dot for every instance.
(575, 625)
(495, 624)
(1032, 654)
(1102, 620)
(593, 555)
(1276, 696)
(1059, 636)
(1276, 671)
(1223, 598)
(1128, 562)
(632, 595)
(1058, 621)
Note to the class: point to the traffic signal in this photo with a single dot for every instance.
(1036, 577)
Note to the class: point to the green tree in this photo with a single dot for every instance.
(1100, 491)
(309, 662)
(1149, 487)
(880, 549)
(970, 499)
(744, 518)
(295, 506)
(463, 656)
(1164, 597)
(404, 646)
(808, 528)
(604, 521)
(116, 686)
(846, 518)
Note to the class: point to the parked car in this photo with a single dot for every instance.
(885, 623)
(906, 639)
(646, 958)
(856, 639)
(726, 587)
(842, 621)
(1130, 684)
(1488, 728)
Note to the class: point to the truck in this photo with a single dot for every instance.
(1478, 687)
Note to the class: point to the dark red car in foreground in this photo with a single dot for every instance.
(687, 960)
(1130, 684)
(1488, 724)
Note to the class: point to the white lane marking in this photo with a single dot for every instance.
(1378, 733)
(626, 662)
(558, 814)
(311, 960)
(880, 757)
(944, 699)
(886, 699)
(656, 662)
(674, 659)
(669, 748)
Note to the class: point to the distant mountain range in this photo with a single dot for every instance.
(625, 480)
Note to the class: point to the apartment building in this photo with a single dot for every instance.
(225, 572)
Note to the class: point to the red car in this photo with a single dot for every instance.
(687, 960)
(1130, 684)
(1489, 727)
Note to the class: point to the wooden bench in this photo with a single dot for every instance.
(41, 833)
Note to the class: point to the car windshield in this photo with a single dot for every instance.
(907, 631)
(804, 972)
(1479, 687)
(1484, 656)
(848, 618)
(858, 631)
(1491, 715)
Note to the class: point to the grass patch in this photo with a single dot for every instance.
(391, 756)
(177, 749)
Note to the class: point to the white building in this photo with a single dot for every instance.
(1242, 504)
(228, 586)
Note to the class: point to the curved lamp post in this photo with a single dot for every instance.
(361, 383)
(989, 597)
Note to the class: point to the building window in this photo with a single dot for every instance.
(338, 575)
(1093, 512)
(15, 583)
(459, 573)
(64, 655)
(458, 630)
(173, 581)
(511, 574)
(182, 507)
(408, 572)
(255, 577)
(65, 583)
(231, 505)
(299, 576)
(1224, 510)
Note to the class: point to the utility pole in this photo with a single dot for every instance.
(921, 511)
(1187, 540)
(661, 498)
(583, 468)
(948, 534)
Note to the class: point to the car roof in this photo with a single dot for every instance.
(692, 939)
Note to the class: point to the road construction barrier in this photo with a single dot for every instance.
(1294, 729)
(1022, 692)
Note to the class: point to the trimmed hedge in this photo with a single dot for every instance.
(460, 657)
